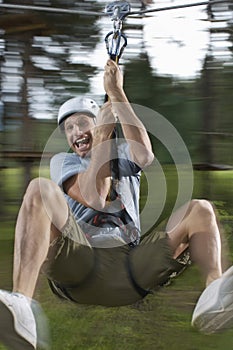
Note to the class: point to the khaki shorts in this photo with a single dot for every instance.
(106, 276)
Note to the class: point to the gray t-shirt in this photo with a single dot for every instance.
(114, 226)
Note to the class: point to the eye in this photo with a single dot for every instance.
(68, 127)
(83, 124)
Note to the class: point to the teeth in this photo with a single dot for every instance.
(81, 141)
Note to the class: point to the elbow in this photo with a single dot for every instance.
(97, 203)
(149, 159)
(99, 206)
(145, 160)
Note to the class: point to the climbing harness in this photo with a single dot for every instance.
(116, 42)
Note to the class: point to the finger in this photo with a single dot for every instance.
(106, 105)
(108, 64)
(111, 63)
(109, 69)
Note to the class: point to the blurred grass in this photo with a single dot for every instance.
(160, 322)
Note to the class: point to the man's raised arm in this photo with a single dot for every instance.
(134, 131)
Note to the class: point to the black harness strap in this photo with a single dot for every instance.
(60, 291)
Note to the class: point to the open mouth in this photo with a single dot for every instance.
(80, 143)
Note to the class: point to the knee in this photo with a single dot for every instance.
(38, 191)
(202, 211)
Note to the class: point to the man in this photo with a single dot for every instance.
(90, 249)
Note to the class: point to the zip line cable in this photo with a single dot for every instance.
(50, 9)
(95, 13)
(175, 7)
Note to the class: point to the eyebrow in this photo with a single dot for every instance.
(83, 118)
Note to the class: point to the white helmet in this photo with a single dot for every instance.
(77, 105)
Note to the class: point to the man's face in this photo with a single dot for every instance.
(79, 133)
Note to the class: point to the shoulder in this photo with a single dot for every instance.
(125, 163)
(65, 157)
(64, 165)
(66, 160)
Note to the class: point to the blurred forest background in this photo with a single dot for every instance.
(48, 56)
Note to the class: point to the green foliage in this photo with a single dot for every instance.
(185, 104)
(160, 322)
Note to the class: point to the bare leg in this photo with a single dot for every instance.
(200, 230)
(43, 213)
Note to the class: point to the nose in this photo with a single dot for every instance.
(77, 129)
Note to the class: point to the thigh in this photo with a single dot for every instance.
(151, 262)
(52, 198)
(70, 258)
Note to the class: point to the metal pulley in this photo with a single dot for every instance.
(115, 40)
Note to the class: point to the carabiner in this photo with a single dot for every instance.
(118, 42)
